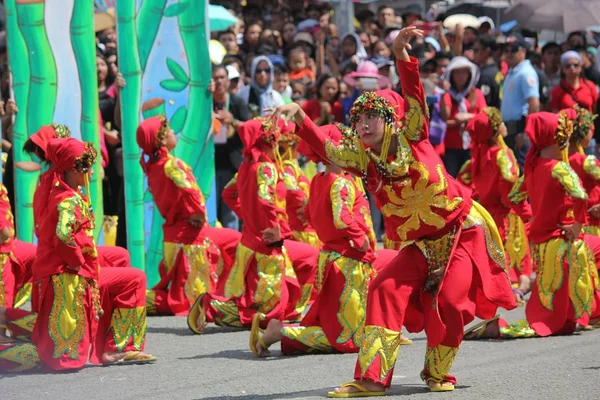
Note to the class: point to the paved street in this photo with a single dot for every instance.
(219, 365)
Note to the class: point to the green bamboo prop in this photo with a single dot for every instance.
(83, 42)
(129, 64)
(148, 22)
(154, 255)
(42, 91)
(196, 141)
(19, 62)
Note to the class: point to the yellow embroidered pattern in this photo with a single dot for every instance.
(23, 295)
(307, 237)
(438, 361)
(236, 284)
(464, 174)
(349, 155)
(179, 172)
(479, 216)
(569, 180)
(591, 167)
(413, 120)
(382, 342)
(3, 259)
(518, 194)
(507, 165)
(151, 302)
(67, 322)
(266, 178)
(338, 201)
(26, 323)
(417, 203)
(67, 221)
(230, 314)
(516, 244)
(129, 324)
(312, 337)
(25, 356)
(270, 271)
(552, 255)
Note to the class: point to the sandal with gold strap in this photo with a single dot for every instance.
(362, 392)
(255, 335)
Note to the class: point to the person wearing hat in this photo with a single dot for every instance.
(85, 311)
(259, 94)
(573, 89)
(494, 171)
(520, 96)
(411, 14)
(447, 239)
(341, 217)
(566, 256)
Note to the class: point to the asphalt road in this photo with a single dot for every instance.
(219, 365)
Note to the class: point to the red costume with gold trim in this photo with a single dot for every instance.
(451, 266)
(262, 279)
(80, 306)
(494, 171)
(192, 262)
(566, 270)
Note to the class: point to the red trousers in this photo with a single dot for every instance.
(15, 271)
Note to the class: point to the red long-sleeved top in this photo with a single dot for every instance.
(588, 170)
(421, 200)
(66, 238)
(296, 198)
(6, 221)
(339, 211)
(177, 197)
(495, 182)
(557, 198)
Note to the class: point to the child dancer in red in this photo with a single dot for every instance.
(262, 279)
(494, 171)
(335, 321)
(192, 262)
(451, 266)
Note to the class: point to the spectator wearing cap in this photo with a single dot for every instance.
(521, 95)
(458, 106)
(573, 89)
(411, 14)
(231, 112)
(490, 77)
(551, 61)
(259, 94)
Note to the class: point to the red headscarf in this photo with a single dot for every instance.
(48, 132)
(541, 128)
(70, 154)
(147, 138)
(480, 129)
(332, 132)
(257, 137)
(386, 103)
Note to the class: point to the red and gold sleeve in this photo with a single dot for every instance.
(571, 184)
(266, 192)
(343, 195)
(509, 175)
(69, 231)
(414, 94)
(231, 197)
(190, 198)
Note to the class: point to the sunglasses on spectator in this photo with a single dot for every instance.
(572, 65)
(261, 70)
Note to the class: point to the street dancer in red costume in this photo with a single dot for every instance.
(84, 312)
(451, 266)
(192, 262)
(342, 219)
(494, 171)
(567, 279)
(262, 280)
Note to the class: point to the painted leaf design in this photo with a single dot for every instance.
(177, 71)
(173, 85)
(178, 119)
(175, 9)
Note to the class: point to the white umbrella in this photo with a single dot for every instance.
(558, 15)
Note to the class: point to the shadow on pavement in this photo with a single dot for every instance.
(185, 331)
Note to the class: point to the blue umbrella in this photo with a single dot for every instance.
(220, 19)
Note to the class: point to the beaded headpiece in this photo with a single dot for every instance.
(86, 160)
(163, 132)
(271, 132)
(495, 117)
(370, 102)
(582, 124)
(564, 130)
(61, 131)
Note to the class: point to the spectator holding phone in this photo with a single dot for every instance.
(458, 106)
(325, 108)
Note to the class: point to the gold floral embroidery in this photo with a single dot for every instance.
(413, 120)
(479, 216)
(417, 203)
(338, 201)
(151, 302)
(312, 337)
(270, 270)
(307, 237)
(229, 311)
(569, 180)
(235, 284)
(202, 277)
(3, 259)
(516, 244)
(518, 194)
(67, 221)
(506, 164)
(266, 178)
(179, 172)
(129, 324)
(290, 182)
(348, 155)
(67, 319)
(438, 361)
(380, 341)
(25, 356)
(591, 167)
(581, 284)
